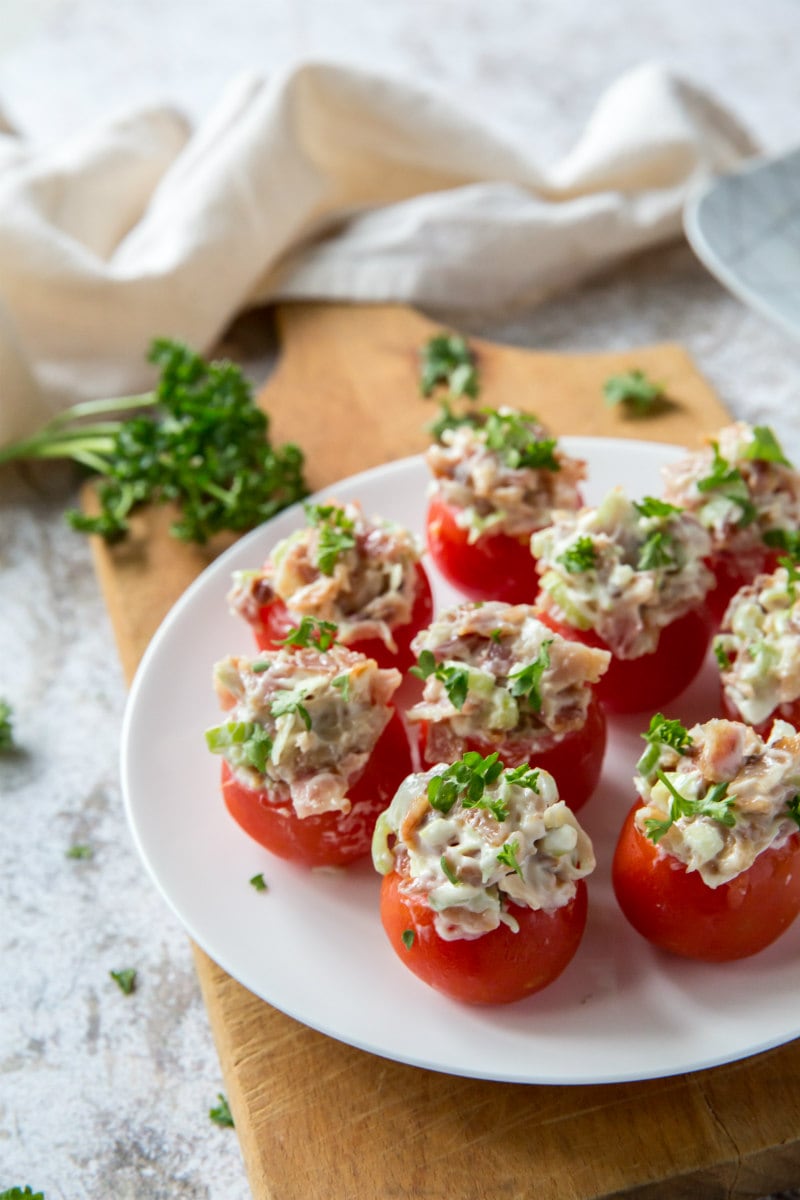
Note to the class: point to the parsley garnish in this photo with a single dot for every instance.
(509, 434)
(17, 1193)
(291, 701)
(765, 447)
(311, 632)
(407, 938)
(524, 776)
(651, 506)
(199, 440)
(724, 660)
(794, 808)
(580, 556)
(221, 1113)
(715, 804)
(730, 482)
(635, 390)
(449, 872)
(258, 882)
(453, 676)
(787, 540)
(663, 732)
(335, 534)
(125, 979)
(507, 855)
(465, 779)
(6, 726)
(79, 850)
(446, 360)
(448, 419)
(658, 550)
(248, 742)
(525, 682)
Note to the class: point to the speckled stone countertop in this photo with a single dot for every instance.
(104, 1094)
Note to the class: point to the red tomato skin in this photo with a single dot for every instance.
(646, 683)
(672, 907)
(575, 760)
(790, 711)
(495, 567)
(330, 839)
(730, 577)
(498, 968)
(276, 620)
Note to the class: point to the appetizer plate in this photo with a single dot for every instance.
(312, 945)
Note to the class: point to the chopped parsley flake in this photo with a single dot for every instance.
(455, 677)
(449, 872)
(291, 701)
(730, 482)
(635, 390)
(244, 741)
(313, 633)
(465, 779)
(258, 883)
(724, 660)
(651, 506)
(794, 808)
(221, 1113)
(80, 850)
(658, 550)
(507, 855)
(18, 1193)
(662, 732)
(580, 556)
(125, 979)
(335, 534)
(509, 434)
(407, 938)
(6, 728)
(765, 447)
(525, 682)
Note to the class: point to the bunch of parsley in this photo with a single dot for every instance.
(198, 441)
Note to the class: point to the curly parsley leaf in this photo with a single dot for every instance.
(199, 441)
(243, 743)
(335, 536)
(125, 980)
(311, 633)
(635, 390)
(580, 556)
(525, 682)
(523, 776)
(466, 779)
(507, 855)
(221, 1114)
(511, 436)
(715, 803)
(453, 676)
(663, 732)
(765, 447)
(447, 361)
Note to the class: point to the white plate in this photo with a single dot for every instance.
(313, 945)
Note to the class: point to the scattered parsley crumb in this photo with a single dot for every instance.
(221, 1114)
(18, 1193)
(125, 979)
(6, 731)
(258, 883)
(407, 938)
(80, 850)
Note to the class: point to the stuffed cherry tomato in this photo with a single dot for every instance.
(707, 865)
(483, 896)
(312, 750)
(364, 576)
(746, 493)
(758, 652)
(498, 679)
(629, 577)
(497, 477)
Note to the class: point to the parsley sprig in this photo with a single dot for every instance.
(221, 1114)
(468, 778)
(311, 633)
(18, 1193)
(765, 447)
(511, 436)
(525, 681)
(447, 361)
(730, 483)
(662, 732)
(198, 440)
(635, 391)
(453, 676)
(507, 855)
(336, 534)
(241, 742)
(580, 556)
(714, 803)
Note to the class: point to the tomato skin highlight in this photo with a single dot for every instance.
(498, 968)
(575, 760)
(650, 681)
(276, 620)
(495, 567)
(328, 839)
(676, 911)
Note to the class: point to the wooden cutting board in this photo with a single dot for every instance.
(319, 1120)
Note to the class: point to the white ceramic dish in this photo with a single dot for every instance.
(312, 945)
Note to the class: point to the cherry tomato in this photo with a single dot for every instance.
(328, 839)
(648, 682)
(573, 759)
(730, 577)
(496, 566)
(276, 620)
(674, 909)
(496, 968)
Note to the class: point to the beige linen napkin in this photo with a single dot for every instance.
(326, 183)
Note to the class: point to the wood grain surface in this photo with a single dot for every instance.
(319, 1120)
